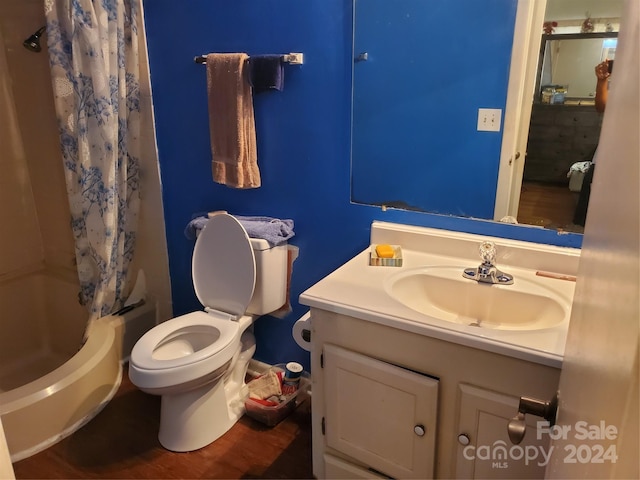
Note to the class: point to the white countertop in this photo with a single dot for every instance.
(358, 290)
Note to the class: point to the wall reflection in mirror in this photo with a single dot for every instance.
(421, 71)
(564, 130)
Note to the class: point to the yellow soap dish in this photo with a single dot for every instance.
(384, 255)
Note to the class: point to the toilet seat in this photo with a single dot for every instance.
(224, 276)
(201, 342)
(167, 376)
(145, 352)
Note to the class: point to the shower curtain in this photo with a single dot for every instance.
(93, 53)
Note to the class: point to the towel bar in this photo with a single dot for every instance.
(291, 58)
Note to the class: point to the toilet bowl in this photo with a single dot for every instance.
(197, 362)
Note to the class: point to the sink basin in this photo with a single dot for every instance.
(441, 292)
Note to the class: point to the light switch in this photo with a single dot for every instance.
(489, 119)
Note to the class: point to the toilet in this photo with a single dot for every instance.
(197, 362)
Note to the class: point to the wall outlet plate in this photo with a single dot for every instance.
(489, 119)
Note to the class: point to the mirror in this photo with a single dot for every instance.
(416, 91)
(564, 130)
(419, 80)
(567, 64)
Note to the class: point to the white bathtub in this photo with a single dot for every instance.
(49, 386)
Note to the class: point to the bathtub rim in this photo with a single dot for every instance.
(93, 350)
(101, 346)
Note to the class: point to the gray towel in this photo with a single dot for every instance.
(275, 231)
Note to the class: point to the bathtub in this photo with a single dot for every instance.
(49, 386)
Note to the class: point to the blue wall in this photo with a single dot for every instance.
(303, 142)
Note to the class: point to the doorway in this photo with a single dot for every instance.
(544, 143)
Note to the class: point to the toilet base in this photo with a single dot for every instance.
(196, 418)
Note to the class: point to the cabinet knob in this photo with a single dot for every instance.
(463, 439)
(420, 430)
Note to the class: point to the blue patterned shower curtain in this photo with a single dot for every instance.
(93, 52)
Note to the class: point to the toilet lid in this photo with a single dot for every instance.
(223, 266)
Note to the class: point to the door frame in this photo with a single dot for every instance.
(520, 91)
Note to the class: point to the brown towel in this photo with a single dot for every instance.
(231, 121)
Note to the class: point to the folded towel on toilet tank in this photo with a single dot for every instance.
(274, 230)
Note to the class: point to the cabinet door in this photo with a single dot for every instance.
(380, 414)
(483, 421)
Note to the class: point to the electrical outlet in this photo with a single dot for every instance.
(489, 119)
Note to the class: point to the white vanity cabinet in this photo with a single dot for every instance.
(393, 403)
(379, 414)
(409, 381)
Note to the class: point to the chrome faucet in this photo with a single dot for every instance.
(487, 272)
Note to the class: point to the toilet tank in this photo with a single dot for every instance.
(270, 292)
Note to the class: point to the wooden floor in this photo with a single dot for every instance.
(549, 206)
(121, 442)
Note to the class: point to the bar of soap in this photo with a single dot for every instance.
(385, 255)
(384, 251)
